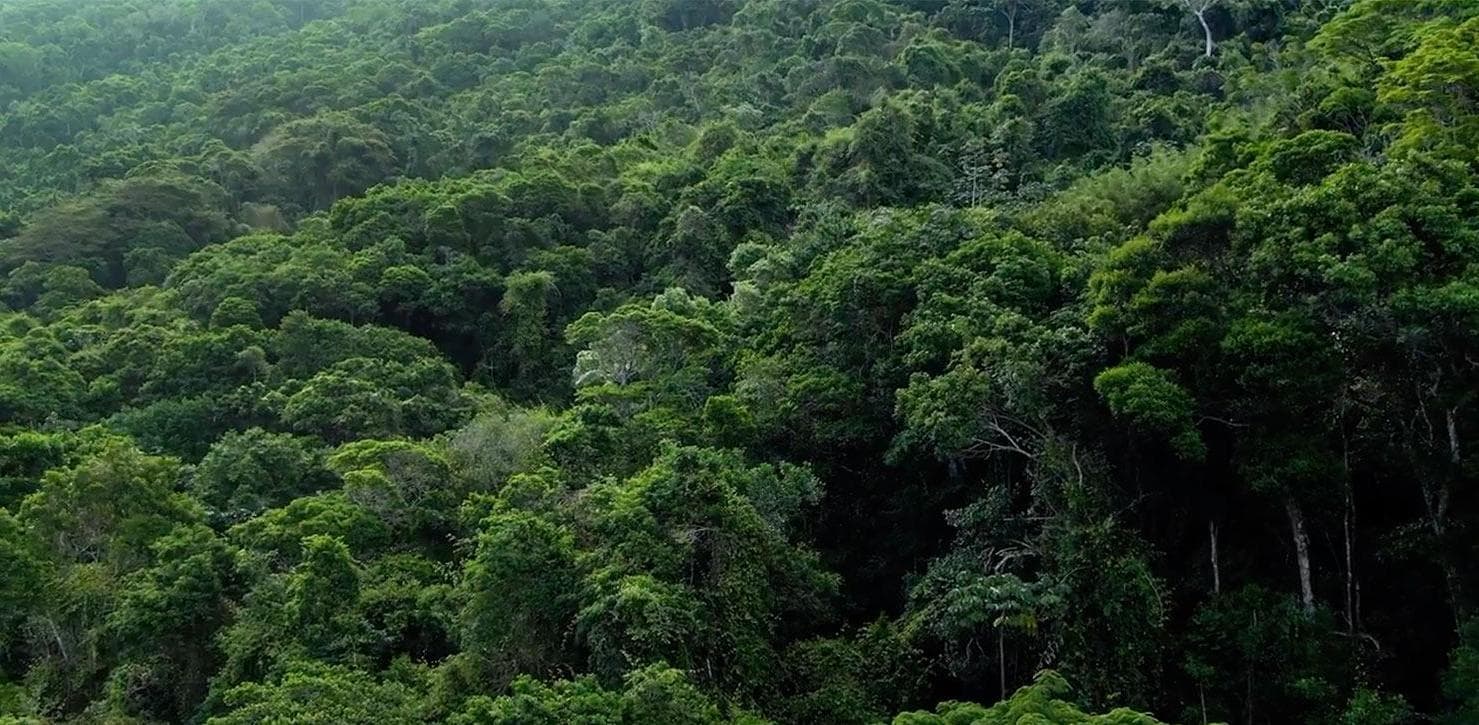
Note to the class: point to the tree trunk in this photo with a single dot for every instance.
(1001, 659)
(1206, 30)
(1248, 697)
(1301, 554)
(1216, 566)
(1352, 605)
(56, 634)
(1436, 498)
(1456, 592)
(1350, 571)
(1450, 419)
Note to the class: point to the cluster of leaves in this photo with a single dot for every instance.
(739, 361)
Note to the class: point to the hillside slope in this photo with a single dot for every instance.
(739, 360)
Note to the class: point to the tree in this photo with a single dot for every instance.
(1043, 699)
(1016, 13)
(313, 162)
(279, 533)
(310, 692)
(1199, 10)
(1437, 84)
(668, 348)
(652, 694)
(1001, 602)
(1461, 681)
(694, 572)
(248, 472)
(877, 163)
(322, 590)
(109, 507)
(191, 585)
(173, 212)
(497, 444)
(24, 579)
(524, 351)
(1248, 647)
(36, 381)
(859, 677)
(406, 485)
(236, 311)
(1149, 399)
(678, 15)
(370, 398)
(520, 587)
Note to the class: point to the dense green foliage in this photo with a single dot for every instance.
(703, 361)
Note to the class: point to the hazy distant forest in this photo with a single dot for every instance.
(925, 362)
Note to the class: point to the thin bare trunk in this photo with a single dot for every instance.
(1455, 591)
(1349, 523)
(1350, 574)
(1301, 554)
(1435, 498)
(1206, 30)
(56, 635)
(1216, 566)
(1248, 698)
(1001, 659)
